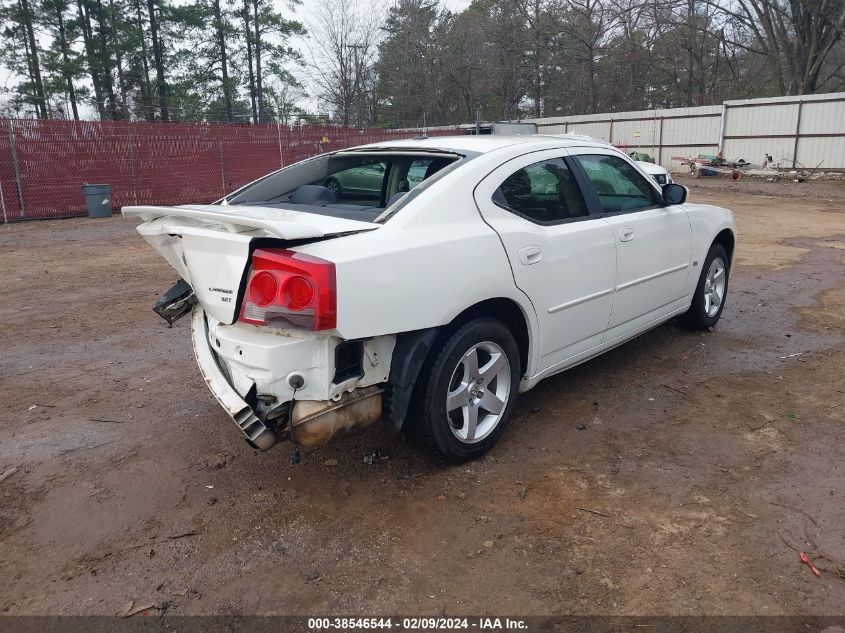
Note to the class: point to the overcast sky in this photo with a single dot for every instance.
(304, 13)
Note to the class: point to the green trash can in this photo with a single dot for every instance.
(98, 200)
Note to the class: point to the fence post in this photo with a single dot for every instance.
(279, 134)
(2, 200)
(660, 143)
(3, 204)
(132, 162)
(222, 163)
(18, 183)
(797, 136)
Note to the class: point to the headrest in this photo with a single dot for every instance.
(313, 194)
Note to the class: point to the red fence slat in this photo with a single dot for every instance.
(150, 163)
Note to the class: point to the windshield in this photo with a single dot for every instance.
(353, 184)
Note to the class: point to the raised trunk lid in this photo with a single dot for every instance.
(209, 245)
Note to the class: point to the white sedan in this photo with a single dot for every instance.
(660, 174)
(478, 267)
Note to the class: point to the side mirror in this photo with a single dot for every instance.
(674, 193)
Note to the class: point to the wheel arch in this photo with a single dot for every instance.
(508, 312)
(727, 240)
(413, 350)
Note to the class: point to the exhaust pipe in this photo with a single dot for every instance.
(317, 422)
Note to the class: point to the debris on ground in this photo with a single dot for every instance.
(131, 609)
(806, 560)
(173, 537)
(218, 461)
(374, 458)
(675, 389)
(601, 514)
(8, 473)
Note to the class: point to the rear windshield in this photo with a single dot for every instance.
(352, 185)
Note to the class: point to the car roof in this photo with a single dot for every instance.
(487, 143)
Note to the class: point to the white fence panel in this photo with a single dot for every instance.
(824, 152)
(761, 120)
(808, 130)
(598, 130)
(822, 118)
(641, 133)
(754, 150)
(692, 130)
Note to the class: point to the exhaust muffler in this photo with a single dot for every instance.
(318, 422)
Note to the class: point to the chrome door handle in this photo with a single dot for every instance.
(530, 255)
(626, 234)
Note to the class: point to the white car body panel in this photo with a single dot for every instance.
(208, 245)
(572, 316)
(652, 262)
(446, 249)
(282, 223)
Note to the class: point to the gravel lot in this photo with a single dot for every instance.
(706, 457)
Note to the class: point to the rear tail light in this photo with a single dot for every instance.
(287, 288)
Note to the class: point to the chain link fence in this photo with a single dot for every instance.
(44, 163)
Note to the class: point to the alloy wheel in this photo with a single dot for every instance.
(714, 287)
(478, 392)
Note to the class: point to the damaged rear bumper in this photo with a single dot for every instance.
(254, 430)
(327, 411)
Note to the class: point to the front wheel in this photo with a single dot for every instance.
(711, 291)
(468, 395)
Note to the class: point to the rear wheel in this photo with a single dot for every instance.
(467, 397)
(711, 291)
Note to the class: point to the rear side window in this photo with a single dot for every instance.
(545, 192)
(619, 186)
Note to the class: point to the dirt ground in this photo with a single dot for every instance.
(706, 457)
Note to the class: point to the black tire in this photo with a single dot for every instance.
(430, 425)
(334, 185)
(697, 316)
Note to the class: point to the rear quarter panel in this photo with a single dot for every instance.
(392, 281)
(435, 258)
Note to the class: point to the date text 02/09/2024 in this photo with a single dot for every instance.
(417, 624)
